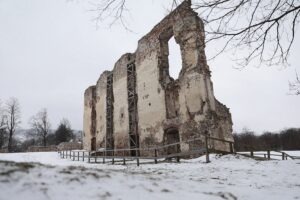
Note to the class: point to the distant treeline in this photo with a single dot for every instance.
(288, 139)
(63, 133)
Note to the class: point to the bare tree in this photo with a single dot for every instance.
(261, 30)
(2, 117)
(41, 125)
(13, 116)
(3, 135)
(295, 86)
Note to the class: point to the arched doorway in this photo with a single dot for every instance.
(171, 136)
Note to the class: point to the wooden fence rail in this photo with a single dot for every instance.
(267, 155)
(156, 153)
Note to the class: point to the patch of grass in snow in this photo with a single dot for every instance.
(165, 190)
(10, 167)
(223, 195)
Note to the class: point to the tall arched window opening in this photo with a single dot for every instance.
(175, 61)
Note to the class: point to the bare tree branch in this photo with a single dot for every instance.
(112, 11)
(265, 32)
(295, 86)
(262, 30)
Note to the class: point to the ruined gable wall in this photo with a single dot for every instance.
(151, 100)
(101, 110)
(121, 126)
(153, 76)
(152, 60)
(87, 116)
(196, 102)
(187, 104)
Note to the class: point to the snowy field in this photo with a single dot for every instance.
(39, 176)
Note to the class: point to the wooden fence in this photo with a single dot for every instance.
(267, 155)
(156, 154)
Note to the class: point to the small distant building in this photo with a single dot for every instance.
(138, 104)
(42, 148)
(69, 146)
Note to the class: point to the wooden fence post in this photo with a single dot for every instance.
(269, 156)
(124, 162)
(89, 158)
(155, 155)
(73, 156)
(251, 153)
(282, 155)
(63, 154)
(177, 150)
(207, 151)
(138, 162)
(78, 156)
(113, 160)
(83, 156)
(104, 156)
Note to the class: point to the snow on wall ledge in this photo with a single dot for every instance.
(138, 104)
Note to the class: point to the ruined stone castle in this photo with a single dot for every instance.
(138, 104)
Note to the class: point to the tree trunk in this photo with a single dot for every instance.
(44, 141)
(9, 147)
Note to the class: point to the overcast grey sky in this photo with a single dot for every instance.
(51, 51)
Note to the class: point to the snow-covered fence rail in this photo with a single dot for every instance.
(268, 155)
(156, 153)
(289, 156)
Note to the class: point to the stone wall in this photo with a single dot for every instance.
(150, 107)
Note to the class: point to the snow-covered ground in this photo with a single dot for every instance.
(226, 177)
